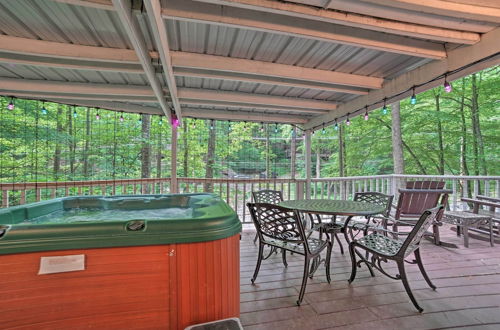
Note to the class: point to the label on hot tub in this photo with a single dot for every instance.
(61, 264)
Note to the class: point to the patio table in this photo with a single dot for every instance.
(334, 208)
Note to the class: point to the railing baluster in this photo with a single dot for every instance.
(5, 198)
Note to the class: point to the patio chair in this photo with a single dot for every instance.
(412, 202)
(279, 227)
(337, 226)
(381, 248)
(266, 196)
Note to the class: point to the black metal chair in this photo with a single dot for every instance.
(266, 196)
(336, 226)
(279, 227)
(381, 248)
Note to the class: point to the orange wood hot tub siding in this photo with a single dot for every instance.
(161, 286)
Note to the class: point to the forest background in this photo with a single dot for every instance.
(453, 133)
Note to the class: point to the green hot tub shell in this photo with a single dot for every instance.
(129, 220)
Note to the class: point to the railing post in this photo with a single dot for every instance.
(173, 161)
(5, 198)
(308, 163)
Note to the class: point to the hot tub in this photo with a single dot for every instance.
(121, 262)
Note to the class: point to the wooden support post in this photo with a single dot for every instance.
(293, 153)
(173, 161)
(308, 163)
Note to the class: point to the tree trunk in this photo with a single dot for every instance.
(478, 146)
(57, 151)
(186, 149)
(159, 155)
(397, 140)
(268, 161)
(318, 163)
(87, 144)
(464, 170)
(71, 143)
(342, 153)
(146, 146)
(440, 137)
(209, 170)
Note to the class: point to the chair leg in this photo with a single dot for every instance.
(259, 261)
(354, 268)
(327, 261)
(283, 256)
(340, 243)
(304, 280)
(402, 275)
(422, 269)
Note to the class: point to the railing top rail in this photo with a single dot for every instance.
(408, 176)
(80, 183)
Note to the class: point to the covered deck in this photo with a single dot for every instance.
(307, 64)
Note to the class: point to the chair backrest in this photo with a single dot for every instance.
(376, 198)
(267, 196)
(412, 241)
(275, 223)
(412, 202)
(425, 184)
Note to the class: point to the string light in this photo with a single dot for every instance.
(175, 121)
(348, 122)
(11, 105)
(262, 126)
(447, 86)
(323, 131)
(97, 116)
(121, 117)
(276, 128)
(366, 113)
(212, 124)
(74, 112)
(384, 109)
(336, 125)
(194, 123)
(140, 118)
(44, 109)
(160, 122)
(413, 99)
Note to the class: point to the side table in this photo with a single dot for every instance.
(465, 220)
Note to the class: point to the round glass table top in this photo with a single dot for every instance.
(333, 207)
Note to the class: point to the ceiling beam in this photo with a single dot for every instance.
(250, 106)
(243, 116)
(293, 26)
(131, 26)
(354, 20)
(159, 30)
(44, 86)
(45, 53)
(379, 10)
(457, 58)
(257, 99)
(80, 96)
(252, 67)
(134, 93)
(448, 8)
(117, 106)
(197, 73)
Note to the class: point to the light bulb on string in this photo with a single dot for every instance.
(336, 125)
(384, 109)
(262, 126)
(44, 109)
(140, 119)
(323, 131)
(212, 124)
(348, 121)
(97, 116)
(121, 117)
(276, 128)
(229, 128)
(11, 105)
(194, 123)
(366, 113)
(160, 122)
(447, 86)
(413, 99)
(75, 114)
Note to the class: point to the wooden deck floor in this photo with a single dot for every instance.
(468, 294)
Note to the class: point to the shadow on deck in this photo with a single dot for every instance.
(468, 293)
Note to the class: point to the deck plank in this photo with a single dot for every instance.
(468, 294)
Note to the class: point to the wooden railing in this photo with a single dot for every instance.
(237, 192)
